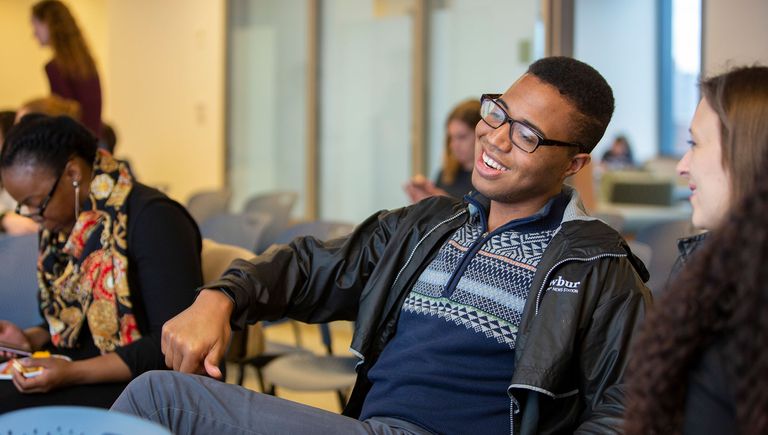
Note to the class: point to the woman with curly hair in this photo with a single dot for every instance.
(72, 71)
(701, 359)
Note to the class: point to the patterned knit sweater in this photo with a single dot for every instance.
(449, 364)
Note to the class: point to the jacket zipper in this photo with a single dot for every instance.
(453, 281)
(514, 408)
(565, 260)
(538, 301)
(407, 262)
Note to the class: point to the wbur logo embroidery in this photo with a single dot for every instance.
(562, 285)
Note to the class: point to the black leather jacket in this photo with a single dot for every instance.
(686, 247)
(572, 343)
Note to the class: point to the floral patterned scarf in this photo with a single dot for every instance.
(83, 276)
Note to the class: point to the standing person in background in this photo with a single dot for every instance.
(72, 71)
(700, 362)
(455, 178)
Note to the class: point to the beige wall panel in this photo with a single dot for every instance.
(166, 85)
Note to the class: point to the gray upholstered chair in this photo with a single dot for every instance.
(204, 204)
(18, 280)
(243, 230)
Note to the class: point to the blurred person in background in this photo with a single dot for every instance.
(51, 105)
(455, 177)
(619, 155)
(10, 222)
(72, 72)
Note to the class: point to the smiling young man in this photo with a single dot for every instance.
(508, 312)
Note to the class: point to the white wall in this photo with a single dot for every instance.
(22, 76)
(162, 69)
(166, 81)
(735, 32)
(618, 38)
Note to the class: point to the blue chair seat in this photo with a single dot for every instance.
(75, 420)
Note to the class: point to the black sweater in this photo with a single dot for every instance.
(164, 247)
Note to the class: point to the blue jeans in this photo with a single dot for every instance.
(191, 404)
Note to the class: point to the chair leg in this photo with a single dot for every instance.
(296, 333)
(260, 379)
(240, 374)
(342, 399)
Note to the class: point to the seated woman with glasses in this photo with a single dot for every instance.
(117, 259)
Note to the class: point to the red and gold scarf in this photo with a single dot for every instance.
(83, 276)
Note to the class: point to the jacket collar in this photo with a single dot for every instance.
(479, 206)
(688, 245)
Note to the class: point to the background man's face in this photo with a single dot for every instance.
(507, 174)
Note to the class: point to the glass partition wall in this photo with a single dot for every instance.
(267, 50)
(365, 89)
(346, 132)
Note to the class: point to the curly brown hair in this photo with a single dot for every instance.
(721, 296)
(71, 52)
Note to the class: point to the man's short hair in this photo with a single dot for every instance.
(585, 88)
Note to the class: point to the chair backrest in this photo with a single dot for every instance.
(279, 205)
(322, 230)
(202, 205)
(216, 258)
(244, 230)
(76, 420)
(18, 280)
(662, 239)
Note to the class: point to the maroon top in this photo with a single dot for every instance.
(87, 92)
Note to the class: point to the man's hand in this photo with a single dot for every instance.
(196, 340)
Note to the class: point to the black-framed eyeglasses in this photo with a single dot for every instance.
(33, 212)
(522, 135)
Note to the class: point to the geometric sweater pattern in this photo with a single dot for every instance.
(492, 289)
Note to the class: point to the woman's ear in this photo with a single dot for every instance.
(74, 171)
